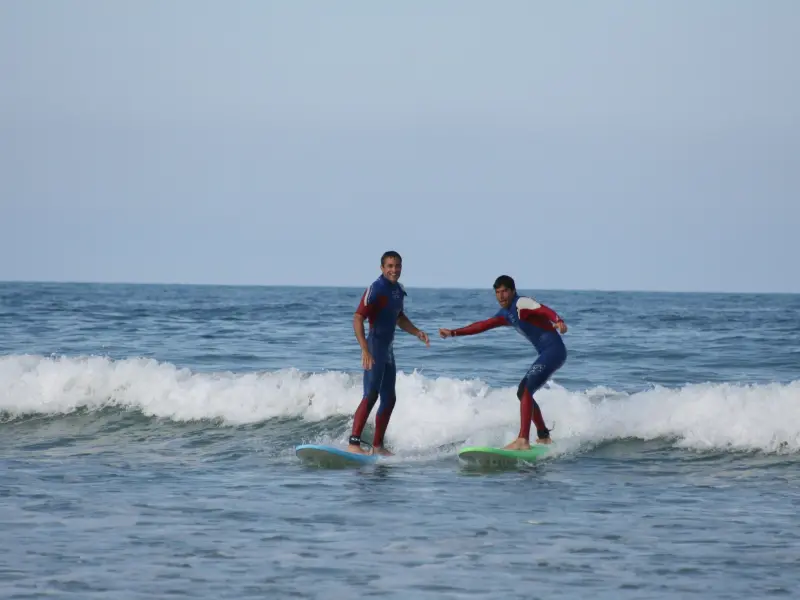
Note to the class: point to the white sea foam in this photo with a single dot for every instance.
(430, 412)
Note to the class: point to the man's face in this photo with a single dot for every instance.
(391, 269)
(504, 296)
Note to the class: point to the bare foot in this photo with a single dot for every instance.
(518, 444)
(382, 451)
(544, 441)
(355, 449)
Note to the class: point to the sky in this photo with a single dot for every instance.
(573, 145)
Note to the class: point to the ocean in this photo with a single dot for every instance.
(147, 435)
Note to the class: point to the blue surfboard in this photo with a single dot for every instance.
(331, 456)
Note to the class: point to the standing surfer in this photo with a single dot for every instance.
(382, 305)
(541, 326)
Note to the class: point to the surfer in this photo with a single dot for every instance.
(382, 304)
(541, 326)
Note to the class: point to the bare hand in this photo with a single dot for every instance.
(366, 360)
(445, 333)
(561, 327)
(424, 337)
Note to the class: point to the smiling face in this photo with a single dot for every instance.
(504, 296)
(391, 268)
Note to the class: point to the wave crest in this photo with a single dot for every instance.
(430, 412)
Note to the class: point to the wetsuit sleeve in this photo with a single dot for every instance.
(371, 302)
(480, 326)
(530, 310)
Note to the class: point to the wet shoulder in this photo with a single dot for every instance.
(392, 292)
(380, 286)
(526, 303)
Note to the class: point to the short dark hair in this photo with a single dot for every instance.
(390, 254)
(505, 281)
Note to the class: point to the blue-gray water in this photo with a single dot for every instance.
(146, 437)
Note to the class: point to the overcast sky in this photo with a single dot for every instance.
(602, 145)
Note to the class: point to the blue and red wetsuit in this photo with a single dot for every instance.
(382, 305)
(534, 321)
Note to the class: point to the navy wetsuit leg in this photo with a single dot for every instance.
(373, 382)
(549, 361)
(388, 396)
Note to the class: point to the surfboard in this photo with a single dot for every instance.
(331, 456)
(492, 457)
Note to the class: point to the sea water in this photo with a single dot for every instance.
(147, 434)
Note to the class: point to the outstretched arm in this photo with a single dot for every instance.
(473, 328)
(404, 323)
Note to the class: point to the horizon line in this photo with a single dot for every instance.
(420, 287)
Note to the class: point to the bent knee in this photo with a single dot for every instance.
(521, 387)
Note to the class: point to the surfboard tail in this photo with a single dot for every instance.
(333, 457)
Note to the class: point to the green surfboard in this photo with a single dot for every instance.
(488, 456)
